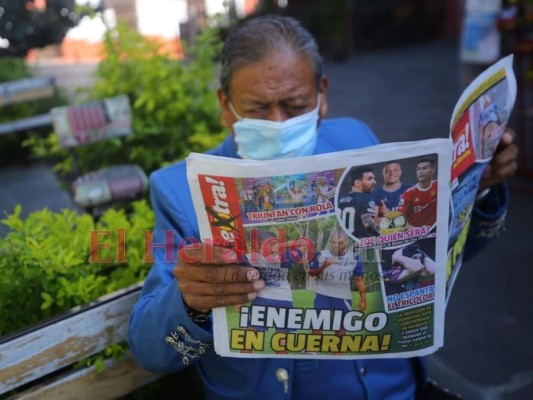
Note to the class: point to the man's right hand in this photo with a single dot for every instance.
(210, 276)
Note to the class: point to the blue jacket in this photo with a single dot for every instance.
(164, 339)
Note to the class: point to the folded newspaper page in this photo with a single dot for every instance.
(348, 274)
(477, 125)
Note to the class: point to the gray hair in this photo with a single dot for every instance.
(257, 38)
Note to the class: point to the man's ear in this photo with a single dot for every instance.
(226, 116)
(323, 111)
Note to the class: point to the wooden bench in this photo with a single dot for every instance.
(34, 362)
(25, 90)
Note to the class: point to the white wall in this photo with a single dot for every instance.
(154, 18)
(92, 29)
(161, 17)
(217, 7)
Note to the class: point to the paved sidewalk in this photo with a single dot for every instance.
(409, 94)
(34, 187)
(402, 94)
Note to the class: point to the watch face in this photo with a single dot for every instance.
(195, 315)
(198, 316)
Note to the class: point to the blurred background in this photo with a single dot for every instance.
(398, 65)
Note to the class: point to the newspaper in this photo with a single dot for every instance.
(477, 125)
(351, 270)
(297, 204)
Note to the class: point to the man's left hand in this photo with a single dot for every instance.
(503, 164)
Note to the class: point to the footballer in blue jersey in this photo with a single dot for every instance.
(389, 195)
(357, 209)
(390, 198)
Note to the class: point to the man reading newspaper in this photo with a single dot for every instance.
(273, 100)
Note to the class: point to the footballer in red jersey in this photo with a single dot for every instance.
(419, 202)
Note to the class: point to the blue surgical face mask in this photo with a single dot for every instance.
(260, 139)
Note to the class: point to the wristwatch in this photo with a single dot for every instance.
(198, 317)
(481, 196)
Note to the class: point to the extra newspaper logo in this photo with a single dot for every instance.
(222, 206)
(463, 155)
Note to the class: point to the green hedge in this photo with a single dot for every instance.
(46, 265)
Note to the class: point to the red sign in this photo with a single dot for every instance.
(463, 146)
(221, 201)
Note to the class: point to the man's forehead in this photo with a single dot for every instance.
(278, 75)
(260, 99)
(259, 94)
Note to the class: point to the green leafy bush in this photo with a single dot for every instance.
(46, 265)
(175, 109)
(115, 351)
(13, 68)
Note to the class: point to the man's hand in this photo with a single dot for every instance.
(210, 276)
(503, 164)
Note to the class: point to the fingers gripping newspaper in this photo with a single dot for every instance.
(352, 246)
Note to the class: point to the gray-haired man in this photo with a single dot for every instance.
(272, 81)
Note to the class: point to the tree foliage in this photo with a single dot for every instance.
(25, 27)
